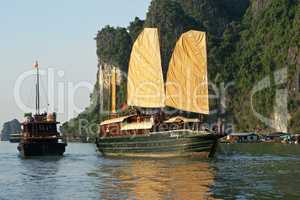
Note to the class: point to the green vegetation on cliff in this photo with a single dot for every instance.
(114, 46)
(247, 42)
(269, 33)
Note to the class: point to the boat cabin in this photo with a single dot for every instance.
(137, 124)
(40, 127)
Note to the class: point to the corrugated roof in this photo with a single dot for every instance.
(277, 134)
(241, 134)
(179, 118)
(137, 126)
(115, 120)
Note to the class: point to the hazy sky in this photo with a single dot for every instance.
(59, 34)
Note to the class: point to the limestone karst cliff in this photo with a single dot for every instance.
(249, 41)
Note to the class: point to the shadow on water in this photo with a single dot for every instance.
(261, 149)
(181, 179)
(257, 171)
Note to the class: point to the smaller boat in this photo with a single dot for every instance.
(39, 135)
(15, 138)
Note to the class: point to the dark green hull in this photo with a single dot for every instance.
(162, 144)
(41, 149)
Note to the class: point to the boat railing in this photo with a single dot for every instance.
(43, 137)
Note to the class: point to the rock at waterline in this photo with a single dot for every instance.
(11, 127)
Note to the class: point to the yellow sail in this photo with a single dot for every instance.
(145, 86)
(187, 85)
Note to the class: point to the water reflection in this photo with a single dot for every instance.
(39, 175)
(253, 171)
(156, 179)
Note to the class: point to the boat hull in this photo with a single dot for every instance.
(14, 140)
(180, 143)
(41, 149)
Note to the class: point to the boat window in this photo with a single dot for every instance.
(41, 128)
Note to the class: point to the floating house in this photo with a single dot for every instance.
(242, 138)
(296, 138)
(279, 137)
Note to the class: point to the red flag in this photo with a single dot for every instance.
(124, 107)
(36, 64)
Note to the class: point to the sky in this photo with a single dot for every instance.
(60, 35)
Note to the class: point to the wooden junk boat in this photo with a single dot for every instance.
(39, 136)
(148, 132)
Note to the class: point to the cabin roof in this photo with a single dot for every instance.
(137, 126)
(242, 134)
(115, 120)
(184, 119)
(40, 122)
(278, 134)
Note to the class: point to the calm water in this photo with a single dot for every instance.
(238, 172)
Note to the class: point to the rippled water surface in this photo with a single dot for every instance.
(238, 172)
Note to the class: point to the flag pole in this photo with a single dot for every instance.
(36, 65)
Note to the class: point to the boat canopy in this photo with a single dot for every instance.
(242, 134)
(181, 119)
(187, 82)
(115, 120)
(145, 86)
(137, 126)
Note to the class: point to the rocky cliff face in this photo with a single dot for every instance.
(267, 50)
(11, 127)
(258, 6)
(248, 41)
